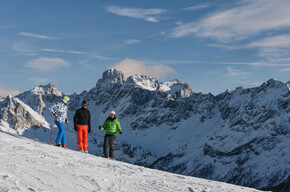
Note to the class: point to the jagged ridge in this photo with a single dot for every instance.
(169, 127)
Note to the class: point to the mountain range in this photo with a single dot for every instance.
(240, 136)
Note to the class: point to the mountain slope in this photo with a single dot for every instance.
(20, 116)
(240, 136)
(27, 165)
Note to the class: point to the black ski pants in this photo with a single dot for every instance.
(109, 141)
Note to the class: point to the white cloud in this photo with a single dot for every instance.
(130, 67)
(23, 47)
(285, 70)
(79, 53)
(4, 91)
(179, 23)
(60, 51)
(197, 7)
(273, 47)
(33, 35)
(131, 41)
(278, 41)
(243, 20)
(236, 72)
(47, 64)
(150, 15)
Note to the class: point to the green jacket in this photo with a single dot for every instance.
(112, 126)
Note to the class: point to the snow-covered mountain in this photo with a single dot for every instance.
(28, 165)
(239, 136)
(20, 116)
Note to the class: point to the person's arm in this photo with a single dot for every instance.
(119, 129)
(75, 120)
(65, 116)
(89, 122)
(102, 128)
(52, 109)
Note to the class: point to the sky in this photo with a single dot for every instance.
(211, 45)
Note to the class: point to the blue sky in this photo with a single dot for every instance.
(212, 45)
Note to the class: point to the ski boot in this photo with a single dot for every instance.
(58, 144)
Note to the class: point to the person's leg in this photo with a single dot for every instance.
(80, 137)
(112, 145)
(85, 138)
(105, 146)
(63, 139)
(60, 133)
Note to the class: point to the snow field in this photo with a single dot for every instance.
(27, 165)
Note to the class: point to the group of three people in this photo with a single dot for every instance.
(82, 125)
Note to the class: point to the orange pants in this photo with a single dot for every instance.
(82, 137)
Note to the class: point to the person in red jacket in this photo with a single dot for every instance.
(82, 119)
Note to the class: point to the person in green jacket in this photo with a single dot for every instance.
(112, 126)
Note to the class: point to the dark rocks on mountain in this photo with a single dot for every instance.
(204, 171)
(134, 152)
(17, 115)
(282, 187)
(36, 97)
(164, 163)
(240, 136)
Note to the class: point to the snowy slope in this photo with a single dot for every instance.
(20, 116)
(240, 136)
(27, 165)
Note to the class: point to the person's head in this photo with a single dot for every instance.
(112, 114)
(85, 104)
(65, 99)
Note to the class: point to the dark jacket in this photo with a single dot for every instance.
(82, 117)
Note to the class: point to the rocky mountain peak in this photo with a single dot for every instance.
(275, 83)
(240, 88)
(221, 137)
(112, 76)
(35, 97)
(20, 116)
(176, 87)
(143, 82)
(271, 81)
(46, 90)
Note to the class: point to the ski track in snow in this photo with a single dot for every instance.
(28, 165)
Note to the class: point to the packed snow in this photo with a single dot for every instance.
(28, 165)
(240, 136)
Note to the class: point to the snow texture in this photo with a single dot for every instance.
(28, 165)
(240, 136)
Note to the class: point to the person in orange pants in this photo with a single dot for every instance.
(82, 119)
(83, 138)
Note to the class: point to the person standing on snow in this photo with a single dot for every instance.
(82, 118)
(59, 111)
(111, 125)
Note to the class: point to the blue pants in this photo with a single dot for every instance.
(61, 137)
